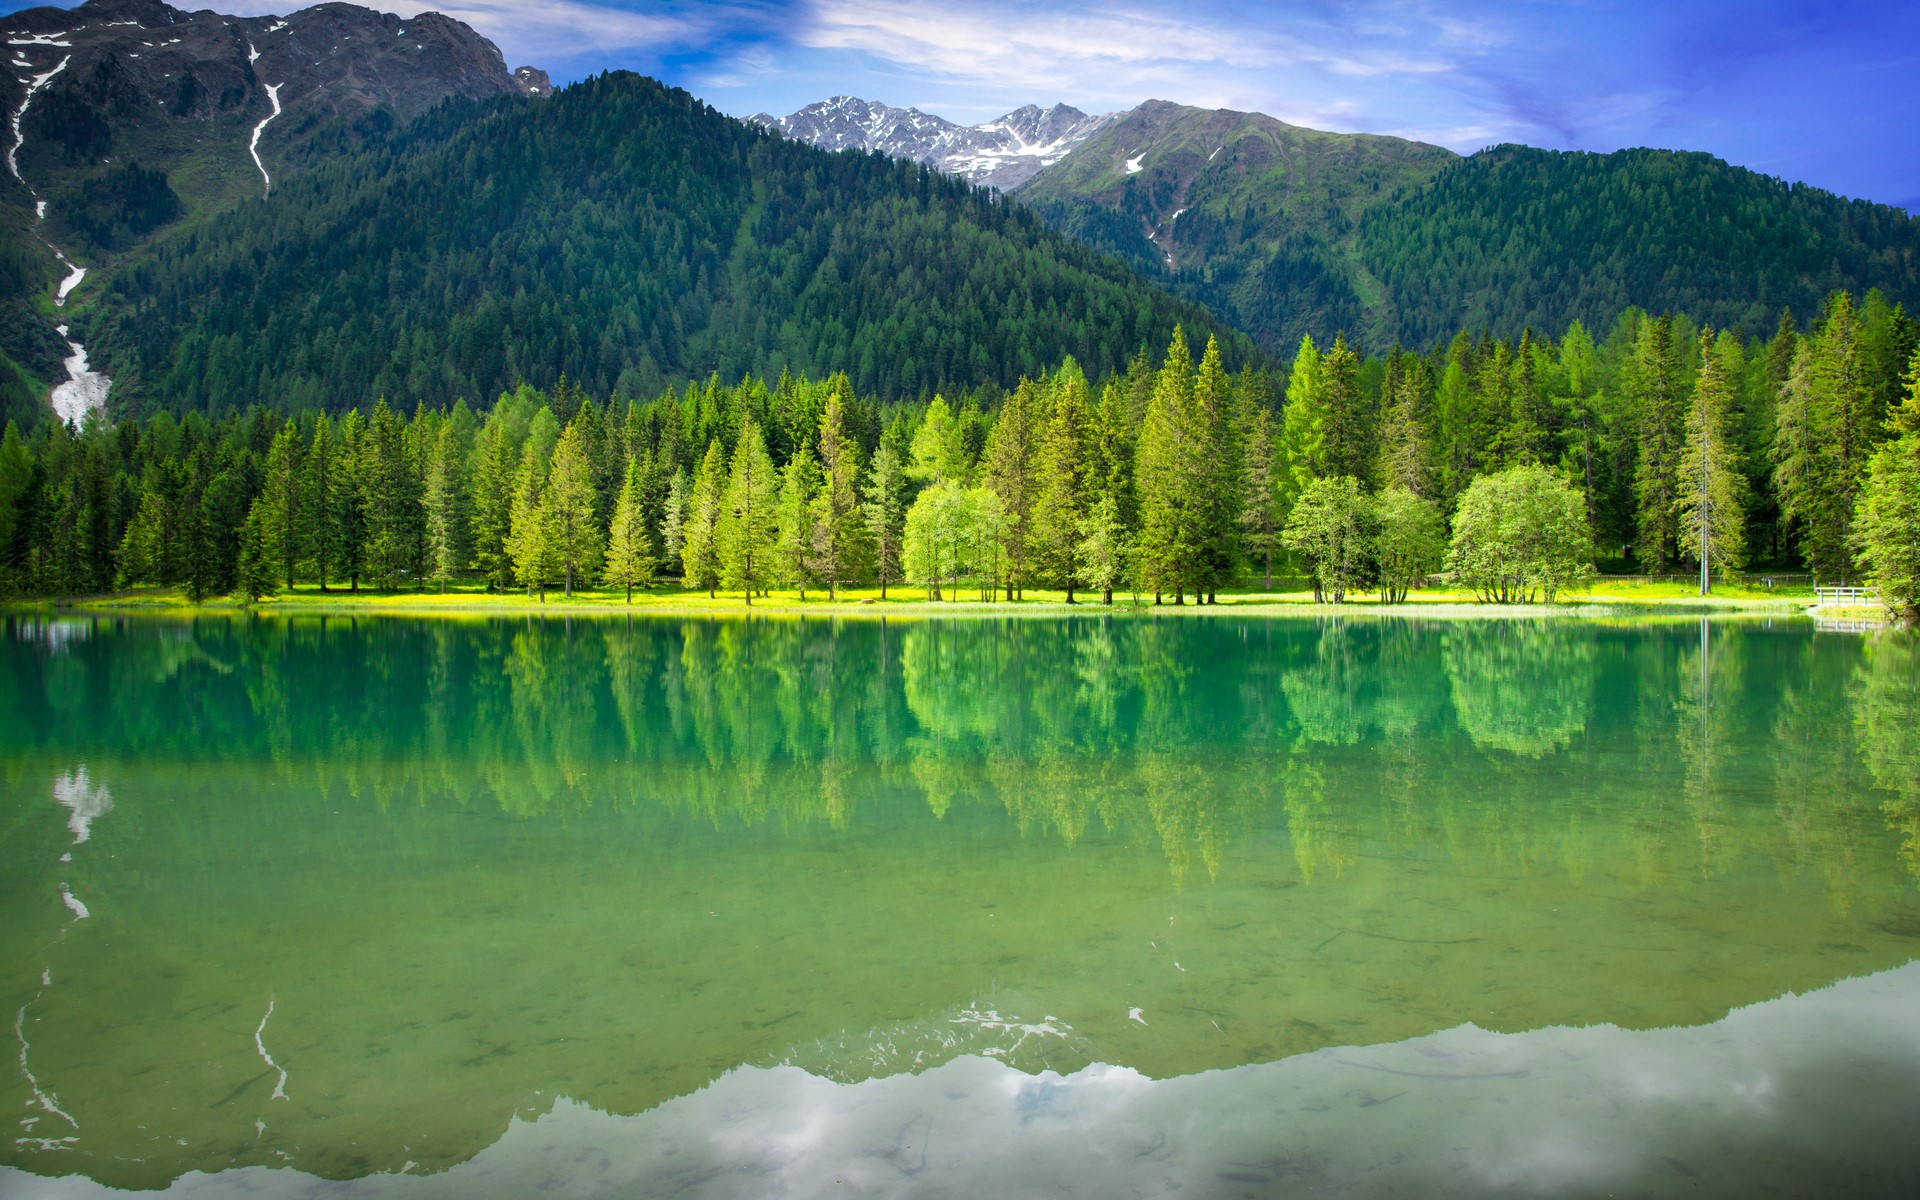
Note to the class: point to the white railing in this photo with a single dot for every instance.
(1845, 595)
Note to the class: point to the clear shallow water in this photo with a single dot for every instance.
(719, 908)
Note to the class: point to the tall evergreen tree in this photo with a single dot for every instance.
(444, 502)
(529, 533)
(1011, 460)
(1303, 429)
(793, 523)
(281, 495)
(568, 505)
(700, 543)
(490, 507)
(630, 560)
(1170, 446)
(884, 506)
(839, 527)
(1064, 468)
(1659, 405)
(1711, 518)
(747, 523)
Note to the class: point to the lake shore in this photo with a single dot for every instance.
(1604, 599)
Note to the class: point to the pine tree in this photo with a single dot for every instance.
(390, 498)
(529, 535)
(1886, 528)
(349, 518)
(1012, 449)
(1349, 442)
(630, 560)
(839, 529)
(1260, 475)
(1403, 447)
(1214, 478)
(281, 493)
(16, 487)
(143, 547)
(568, 505)
(673, 516)
(793, 521)
(490, 503)
(939, 450)
(255, 577)
(747, 523)
(1169, 539)
(444, 500)
(700, 546)
(884, 505)
(324, 538)
(1711, 517)
(1303, 426)
(1659, 407)
(1065, 464)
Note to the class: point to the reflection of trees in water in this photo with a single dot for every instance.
(1524, 687)
(1705, 735)
(1178, 736)
(1886, 714)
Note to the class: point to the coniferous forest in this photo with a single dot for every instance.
(1514, 465)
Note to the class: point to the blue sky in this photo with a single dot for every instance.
(1823, 91)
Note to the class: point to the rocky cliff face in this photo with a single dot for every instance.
(1002, 153)
(121, 80)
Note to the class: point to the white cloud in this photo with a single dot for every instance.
(533, 29)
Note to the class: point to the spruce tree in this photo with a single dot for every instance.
(1065, 465)
(490, 503)
(1012, 450)
(568, 508)
(630, 559)
(939, 449)
(529, 536)
(700, 545)
(444, 501)
(1886, 528)
(349, 518)
(839, 528)
(1659, 407)
(1303, 426)
(1214, 478)
(1169, 538)
(281, 494)
(884, 506)
(1349, 441)
(793, 520)
(673, 516)
(257, 565)
(747, 524)
(1260, 475)
(324, 538)
(1711, 517)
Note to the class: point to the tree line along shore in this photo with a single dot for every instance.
(1514, 468)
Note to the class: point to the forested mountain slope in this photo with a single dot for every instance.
(1283, 231)
(1248, 215)
(624, 235)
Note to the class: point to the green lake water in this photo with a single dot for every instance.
(1109, 906)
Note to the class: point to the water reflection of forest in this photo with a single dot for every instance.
(1667, 746)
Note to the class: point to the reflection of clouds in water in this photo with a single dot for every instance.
(84, 801)
(55, 635)
(1787, 1096)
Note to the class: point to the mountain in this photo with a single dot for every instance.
(1002, 153)
(129, 115)
(221, 104)
(1247, 214)
(1284, 231)
(622, 234)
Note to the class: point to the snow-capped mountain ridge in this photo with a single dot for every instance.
(1002, 153)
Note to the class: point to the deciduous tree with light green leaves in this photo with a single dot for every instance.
(1410, 542)
(937, 536)
(1520, 534)
(1332, 527)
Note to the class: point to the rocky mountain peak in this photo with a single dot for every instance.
(1002, 153)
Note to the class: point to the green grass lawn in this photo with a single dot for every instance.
(471, 600)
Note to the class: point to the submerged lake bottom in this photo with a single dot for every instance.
(1100, 906)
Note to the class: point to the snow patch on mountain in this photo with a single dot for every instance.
(1003, 153)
